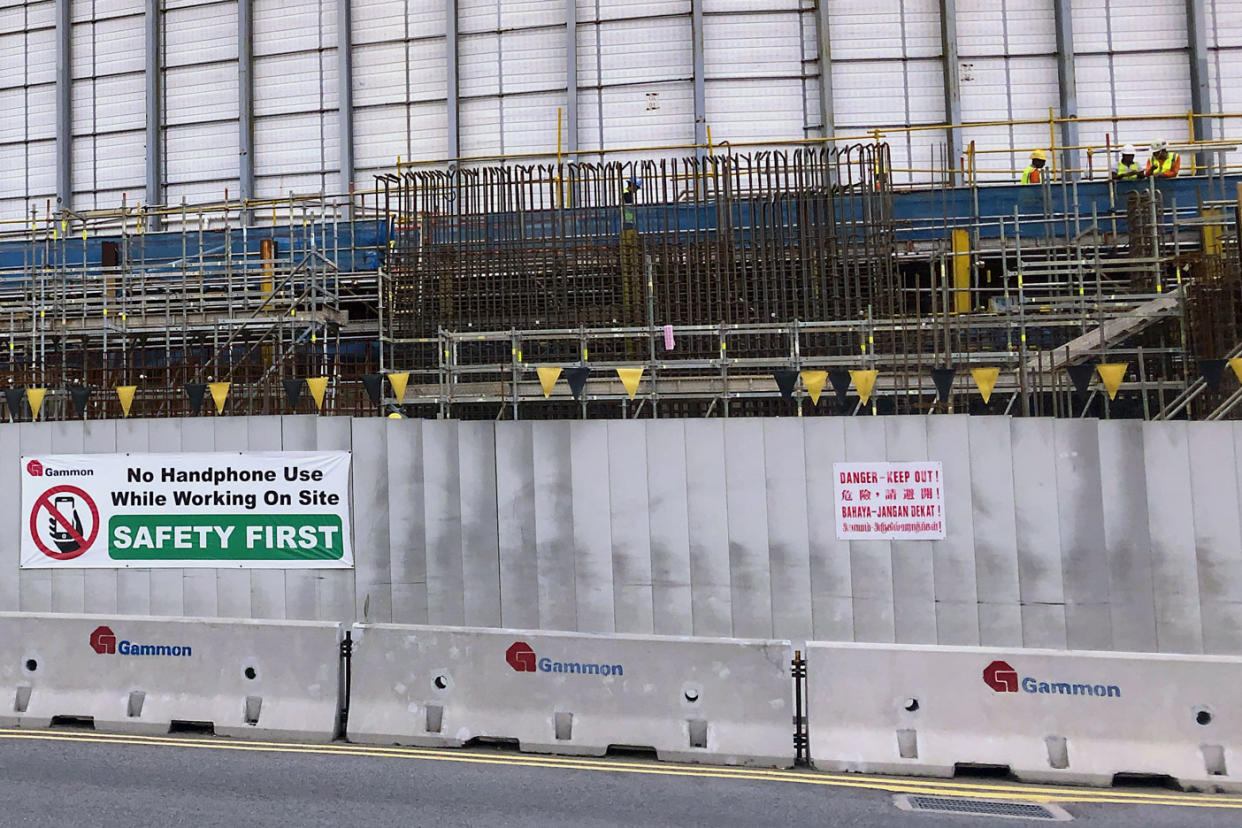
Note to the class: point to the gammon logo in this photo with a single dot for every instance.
(521, 657)
(103, 641)
(1003, 678)
(35, 468)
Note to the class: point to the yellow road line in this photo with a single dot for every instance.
(1031, 793)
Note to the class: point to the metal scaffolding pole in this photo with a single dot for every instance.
(155, 109)
(571, 77)
(1067, 85)
(826, 113)
(64, 103)
(700, 93)
(345, 96)
(952, 83)
(450, 68)
(1200, 95)
(245, 97)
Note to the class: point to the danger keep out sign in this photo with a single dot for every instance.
(269, 510)
(889, 501)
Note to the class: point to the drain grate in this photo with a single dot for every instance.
(982, 807)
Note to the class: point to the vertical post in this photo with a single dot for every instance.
(450, 86)
(64, 104)
(700, 94)
(571, 78)
(1237, 221)
(961, 276)
(155, 110)
(345, 97)
(1067, 84)
(245, 100)
(1200, 97)
(952, 83)
(826, 114)
(802, 742)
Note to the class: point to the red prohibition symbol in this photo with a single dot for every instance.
(68, 539)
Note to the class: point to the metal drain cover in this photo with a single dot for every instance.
(981, 807)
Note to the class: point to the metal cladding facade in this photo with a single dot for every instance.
(244, 95)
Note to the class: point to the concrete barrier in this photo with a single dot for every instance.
(692, 700)
(1049, 716)
(258, 679)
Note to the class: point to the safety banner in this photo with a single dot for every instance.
(889, 501)
(250, 510)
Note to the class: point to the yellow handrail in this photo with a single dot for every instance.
(967, 162)
(871, 135)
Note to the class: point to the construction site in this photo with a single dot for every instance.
(720, 275)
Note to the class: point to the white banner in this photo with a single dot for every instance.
(253, 510)
(889, 501)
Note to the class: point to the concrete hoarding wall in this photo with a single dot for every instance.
(1073, 534)
(1059, 717)
(691, 699)
(255, 679)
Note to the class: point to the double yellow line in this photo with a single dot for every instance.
(895, 785)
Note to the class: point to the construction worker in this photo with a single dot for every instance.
(628, 197)
(1032, 174)
(632, 186)
(632, 280)
(1127, 167)
(1163, 164)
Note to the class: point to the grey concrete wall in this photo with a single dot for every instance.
(1061, 533)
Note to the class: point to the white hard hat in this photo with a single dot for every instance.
(1128, 149)
(1157, 146)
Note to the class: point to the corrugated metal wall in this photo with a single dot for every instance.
(1061, 533)
(1008, 72)
(400, 97)
(200, 134)
(28, 97)
(1225, 61)
(756, 54)
(635, 79)
(109, 103)
(1131, 61)
(295, 97)
(887, 72)
(635, 74)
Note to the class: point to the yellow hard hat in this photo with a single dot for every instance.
(1039, 155)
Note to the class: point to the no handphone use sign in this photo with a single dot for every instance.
(226, 509)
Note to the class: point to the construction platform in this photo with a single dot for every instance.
(747, 265)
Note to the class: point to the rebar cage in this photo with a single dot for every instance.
(724, 238)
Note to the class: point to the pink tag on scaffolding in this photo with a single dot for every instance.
(668, 337)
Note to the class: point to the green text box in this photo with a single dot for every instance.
(225, 538)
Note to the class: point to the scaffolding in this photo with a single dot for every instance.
(749, 265)
(248, 294)
(713, 274)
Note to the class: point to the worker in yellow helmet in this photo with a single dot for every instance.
(1033, 172)
(1127, 167)
(1163, 164)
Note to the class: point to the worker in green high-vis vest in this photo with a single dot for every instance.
(1127, 167)
(1033, 172)
(1163, 164)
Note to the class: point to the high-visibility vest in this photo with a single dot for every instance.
(1172, 166)
(1125, 170)
(1030, 175)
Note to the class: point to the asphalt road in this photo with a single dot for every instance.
(71, 778)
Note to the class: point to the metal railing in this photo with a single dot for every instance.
(964, 168)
